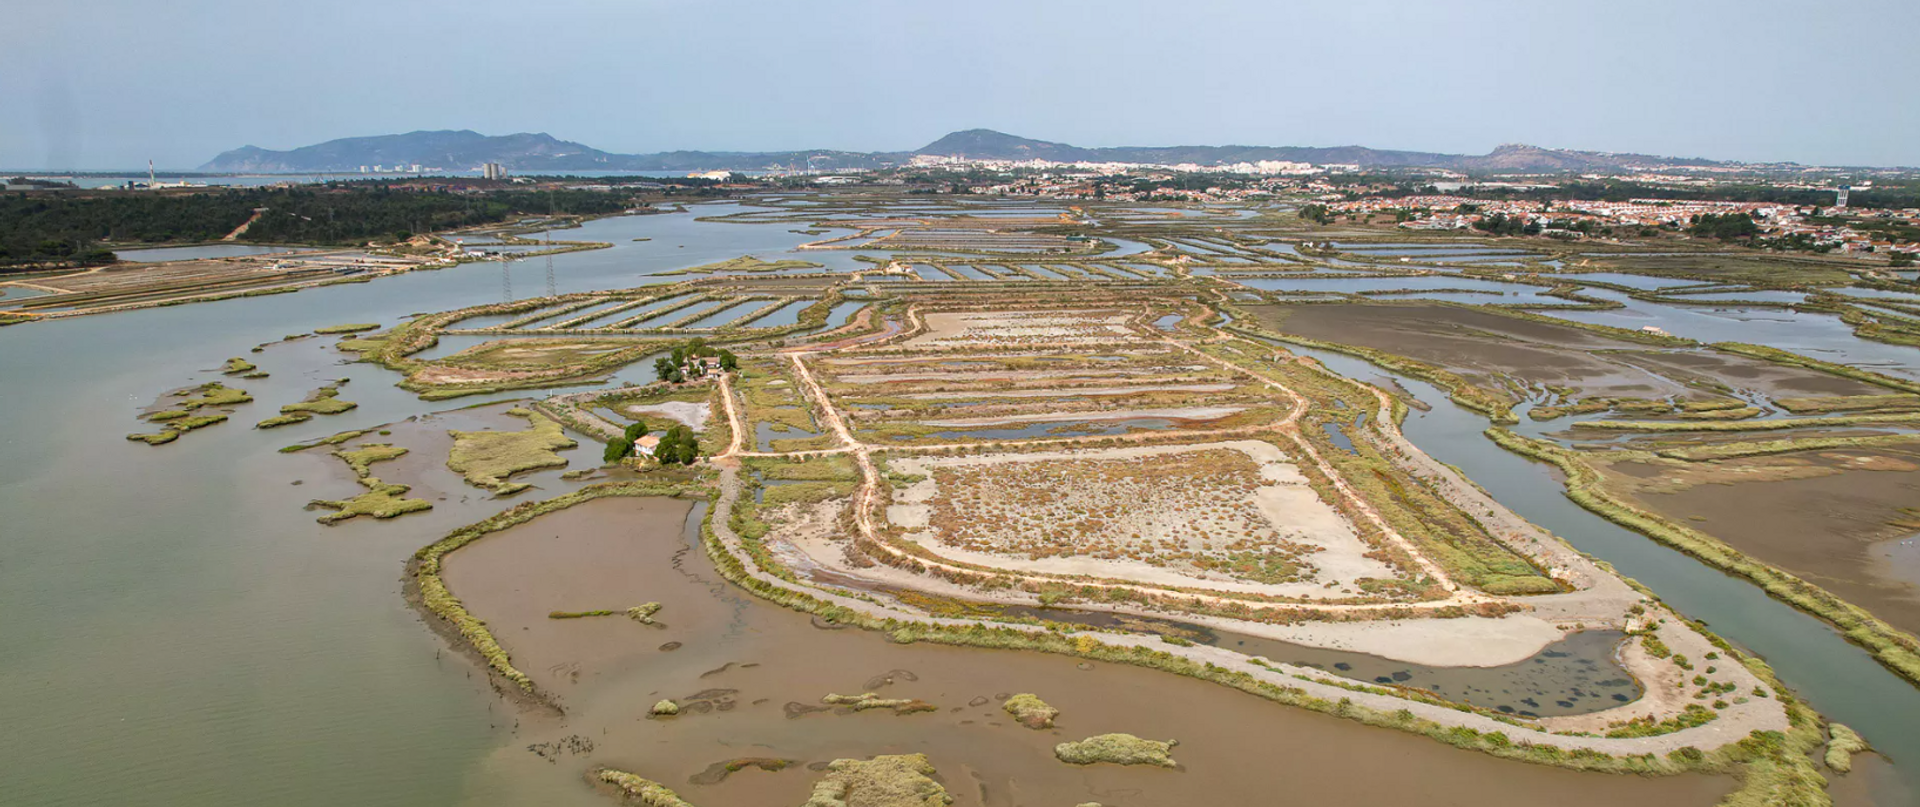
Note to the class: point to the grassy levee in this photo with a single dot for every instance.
(1761, 448)
(428, 590)
(638, 789)
(1780, 424)
(1897, 650)
(353, 327)
(1773, 766)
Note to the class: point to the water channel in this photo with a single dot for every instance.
(1838, 678)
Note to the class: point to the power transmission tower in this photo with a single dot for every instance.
(551, 291)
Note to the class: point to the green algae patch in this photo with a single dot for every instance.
(356, 327)
(330, 440)
(1119, 749)
(868, 700)
(665, 708)
(360, 459)
(181, 419)
(213, 394)
(237, 366)
(1842, 744)
(177, 426)
(900, 780)
(1031, 711)
(719, 771)
(578, 614)
(487, 458)
(643, 613)
(323, 401)
(640, 790)
(381, 500)
(745, 263)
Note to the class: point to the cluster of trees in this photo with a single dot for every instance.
(676, 369)
(71, 228)
(620, 448)
(676, 446)
(1724, 226)
(1316, 213)
(1502, 224)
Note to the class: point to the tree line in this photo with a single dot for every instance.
(42, 228)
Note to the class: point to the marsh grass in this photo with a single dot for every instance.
(487, 458)
(381, 500)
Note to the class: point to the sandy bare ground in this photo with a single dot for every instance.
(693, 414)
(1007, 375)
(1183, 413)
(976, 329)
(1290, 507)
(1052, 392)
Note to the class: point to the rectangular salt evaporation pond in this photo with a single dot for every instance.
(700, 309)
(157, 254)
(1884, 294)
(613, 316)
(970, 272)
(11, 296)
(727, 315)
(1003, 273)
(927, 272)
(840, 313)
(1630, 281)
(1414, 250)
(558, 316)
(1416, 284)
(783, 316)
(1749, 295)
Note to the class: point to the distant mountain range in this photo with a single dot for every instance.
(542, 153)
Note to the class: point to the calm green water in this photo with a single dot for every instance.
(178, 631)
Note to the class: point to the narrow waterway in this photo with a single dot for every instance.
(1838, 678)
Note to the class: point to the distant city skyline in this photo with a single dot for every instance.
(110, 84)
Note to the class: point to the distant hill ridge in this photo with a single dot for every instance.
(540, 152)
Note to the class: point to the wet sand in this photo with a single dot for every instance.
(607, 671)
(1833, 530)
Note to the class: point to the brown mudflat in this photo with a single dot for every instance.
(1482, 346)
(612, 553)
(1832, 529)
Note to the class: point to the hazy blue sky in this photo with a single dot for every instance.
(112, 83)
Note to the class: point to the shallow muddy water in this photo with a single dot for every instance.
(748, 660)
